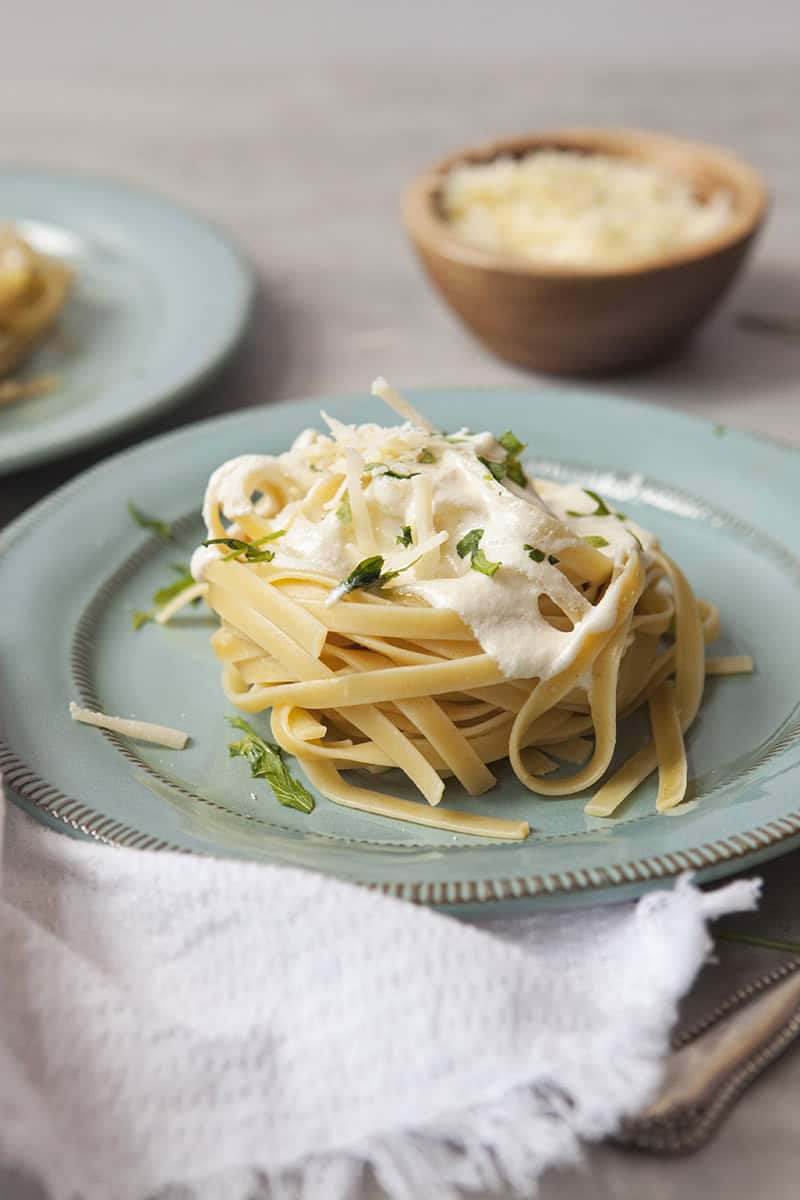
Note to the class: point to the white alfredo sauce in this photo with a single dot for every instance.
(306, 485)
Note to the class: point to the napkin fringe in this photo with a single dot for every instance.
(501, 1146)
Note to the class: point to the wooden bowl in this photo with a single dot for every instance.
(585, 320)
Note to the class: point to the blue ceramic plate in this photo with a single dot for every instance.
(159, 299)
(73, 569)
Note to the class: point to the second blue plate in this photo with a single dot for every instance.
(159, 299)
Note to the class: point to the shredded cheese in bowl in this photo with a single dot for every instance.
(565, 207)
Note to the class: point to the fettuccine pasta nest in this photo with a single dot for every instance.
(403, 598)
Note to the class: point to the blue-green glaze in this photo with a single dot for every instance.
(158, 300)
(74, 568)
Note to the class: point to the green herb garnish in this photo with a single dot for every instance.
(404, 538)
(497, 469)
(266, 762)
(515, 472)
(537, 555)
(368, 573)
(384, 470)
(510, 442)
(247, 551)
(387, 575)
(602, 509)
(510, 468)
(155, 525)
(163, 595)
(719, 430)
(344, 512)
(364, 575)
(426, 456)
(594, 539)
(184, 580)
(470, 544)
(479, 562)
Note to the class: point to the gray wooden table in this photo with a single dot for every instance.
(305, 168)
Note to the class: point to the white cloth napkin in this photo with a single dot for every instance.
(176, 1026)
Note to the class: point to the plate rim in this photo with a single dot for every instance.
(601, 882)
(243, 277)
(720, 856)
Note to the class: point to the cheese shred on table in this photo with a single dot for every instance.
(140, 731)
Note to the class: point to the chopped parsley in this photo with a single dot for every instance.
(155, 525)
(426, 456)
(387, 575)
(368, 573)
(515, 472)
(497, 469)
(537, 555)
(510, 468)
(479, 562)
(344, 512)
(266, 762)
(364, 575)
(470, 544)
(404, 538)
(164, 594)
(594, 539)
(247, 551)
(601, 509)
(511, 443)
(184, 580)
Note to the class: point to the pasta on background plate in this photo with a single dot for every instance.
(33, 291)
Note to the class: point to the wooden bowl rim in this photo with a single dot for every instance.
(426, 225)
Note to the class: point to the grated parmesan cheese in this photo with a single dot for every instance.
(384, 391)
(140, 731)
(563, 207)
